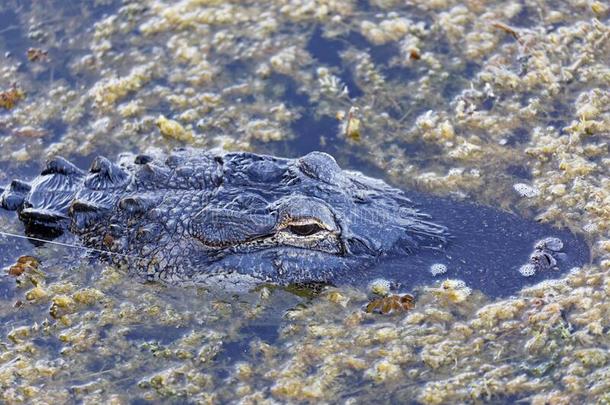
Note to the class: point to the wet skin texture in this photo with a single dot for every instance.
(241, 219)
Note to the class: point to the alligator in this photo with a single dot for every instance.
(240, 219)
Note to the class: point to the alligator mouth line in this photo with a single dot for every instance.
(271, 243)
(235, 244)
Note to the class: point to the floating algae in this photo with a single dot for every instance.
(456, 99)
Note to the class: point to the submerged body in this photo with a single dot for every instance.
(241, 219)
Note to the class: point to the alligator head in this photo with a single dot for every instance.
(239, 217)
(242, 218)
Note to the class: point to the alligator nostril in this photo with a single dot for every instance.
(142, 159)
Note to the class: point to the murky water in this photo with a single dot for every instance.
(503, 104)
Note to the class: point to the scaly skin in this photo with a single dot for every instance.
(240, 218)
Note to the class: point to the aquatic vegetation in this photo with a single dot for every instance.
(37, 55)
(455, 291)
(24, 263)
(10, 97)
(173, 129)
(467, 99)
(390, 304)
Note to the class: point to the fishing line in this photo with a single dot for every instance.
(68, 245)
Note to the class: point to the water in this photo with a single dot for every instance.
(269, 77)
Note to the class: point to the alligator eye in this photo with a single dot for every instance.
(305, 229)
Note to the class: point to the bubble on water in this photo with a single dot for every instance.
(527, 270)
(574, 270)
(438, 268)
(554, 244)
(526, 190)
(380, 286)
